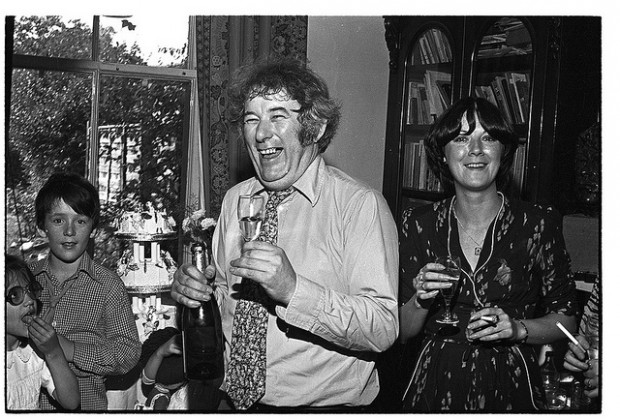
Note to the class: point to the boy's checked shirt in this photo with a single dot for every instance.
(94, 311)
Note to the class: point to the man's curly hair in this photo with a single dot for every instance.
(293, 78)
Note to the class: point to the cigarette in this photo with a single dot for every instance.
(570, 336)
(491, 319)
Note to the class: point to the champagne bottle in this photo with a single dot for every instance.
(203, 343)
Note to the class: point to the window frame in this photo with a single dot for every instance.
(98, 69)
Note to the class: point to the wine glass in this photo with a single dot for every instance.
(452, 268)
(250, 212)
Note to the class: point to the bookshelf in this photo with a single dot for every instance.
(429, 80)
(529, 66)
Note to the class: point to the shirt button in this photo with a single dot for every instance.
(54, 324)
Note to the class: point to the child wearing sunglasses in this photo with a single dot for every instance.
(86, 303)
(28, 369)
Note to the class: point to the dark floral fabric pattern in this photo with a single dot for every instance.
(524, 269)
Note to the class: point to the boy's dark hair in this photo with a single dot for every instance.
(73, 189)
(292, 76)
(18, 267)
(448, 127)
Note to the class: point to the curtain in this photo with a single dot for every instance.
(223, 43)
(197, 166)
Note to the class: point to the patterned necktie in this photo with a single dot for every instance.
(248, 358)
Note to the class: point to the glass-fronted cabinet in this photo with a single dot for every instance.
(528, 66)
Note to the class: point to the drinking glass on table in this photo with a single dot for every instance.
(251, 213)
(452, 268)
(556, 399)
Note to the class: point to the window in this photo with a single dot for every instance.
(91, 95)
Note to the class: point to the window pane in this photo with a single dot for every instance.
(140, 135)
(149, 39)
(54, 36)
(48, 133)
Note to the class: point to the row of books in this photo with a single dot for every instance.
(433, 47)
(518, 167)
(510, 92)
(418, 175)
(429, 97)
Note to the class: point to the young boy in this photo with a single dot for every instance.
(85, 302)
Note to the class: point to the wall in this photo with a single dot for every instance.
(350, 53)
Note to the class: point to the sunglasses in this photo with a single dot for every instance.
(16, 295)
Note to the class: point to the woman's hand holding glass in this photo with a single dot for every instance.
(428, 283)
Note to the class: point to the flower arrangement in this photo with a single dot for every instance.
(197, 227)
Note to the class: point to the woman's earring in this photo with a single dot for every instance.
(444, 159)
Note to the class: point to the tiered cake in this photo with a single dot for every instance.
(144, 267)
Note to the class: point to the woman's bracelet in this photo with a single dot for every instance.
(527, 333)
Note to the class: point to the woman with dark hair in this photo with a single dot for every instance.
(514, 283)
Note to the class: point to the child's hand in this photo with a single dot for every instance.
(169, 347)
(43, 336)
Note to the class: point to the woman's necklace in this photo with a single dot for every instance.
(478, 247)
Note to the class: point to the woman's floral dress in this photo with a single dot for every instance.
(523, 268)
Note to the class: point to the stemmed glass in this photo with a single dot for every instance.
(251, 213)
(452, 268)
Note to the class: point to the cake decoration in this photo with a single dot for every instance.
(145, 267)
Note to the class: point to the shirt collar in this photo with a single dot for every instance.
(87, 265)
(309, 184)
(22, 353)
